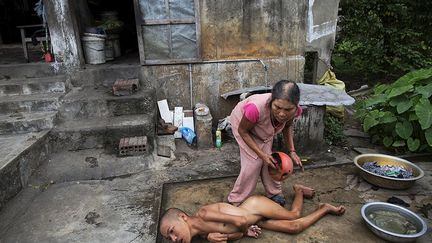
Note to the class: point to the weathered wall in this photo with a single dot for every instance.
(210, 80)
(273, 31)
(15, 175)
(321, 32)
(252, 29)
(308, 130)
(64, 34)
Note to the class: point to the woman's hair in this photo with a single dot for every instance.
(286, 90)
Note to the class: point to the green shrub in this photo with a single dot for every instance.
(381, 38)
(399, 115)
(333, 130)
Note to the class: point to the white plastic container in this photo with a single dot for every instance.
(112, 46)
(94, 48)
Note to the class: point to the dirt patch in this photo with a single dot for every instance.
(336, 185)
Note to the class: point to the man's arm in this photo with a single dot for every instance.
(253, 231)
(220, 237)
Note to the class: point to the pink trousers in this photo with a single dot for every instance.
(246, 182)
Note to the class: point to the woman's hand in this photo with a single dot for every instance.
(269, 160)
(244, 131)
(217, 237)
(296, 159)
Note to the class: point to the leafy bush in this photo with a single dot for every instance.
(380, 38)
(333, 130)
(399, 115)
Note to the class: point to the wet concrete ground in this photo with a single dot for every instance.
(107, 199)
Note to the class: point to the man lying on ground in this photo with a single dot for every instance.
(220, 222)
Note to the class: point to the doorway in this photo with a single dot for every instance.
(14, 14)
(115, 18)
(310, 67)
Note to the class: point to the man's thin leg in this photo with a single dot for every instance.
(265, 207)
(298, 225)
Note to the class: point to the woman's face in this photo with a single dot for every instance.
(283, 110)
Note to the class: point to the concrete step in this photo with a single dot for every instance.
(20, 155)
(27, 70)
(102, 133)
(88, 164)
(87, 102)
(105, 75)
(26, 122)
(29, 103)
(55, 84)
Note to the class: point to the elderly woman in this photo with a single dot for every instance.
(254, 122)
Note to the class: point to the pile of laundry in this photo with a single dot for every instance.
(388, 170)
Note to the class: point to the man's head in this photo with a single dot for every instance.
(284, 167)
(174, 226)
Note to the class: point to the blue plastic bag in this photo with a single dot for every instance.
(188, 134)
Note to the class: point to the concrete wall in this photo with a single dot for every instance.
(273, 31)
(252, 29)
(321, 32)
(210, 80)
(64, 33)
(278, 32)
(16, 173)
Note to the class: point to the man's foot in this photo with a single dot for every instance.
(333, 209)
(253, 231)
(279, 199)
(307, 191)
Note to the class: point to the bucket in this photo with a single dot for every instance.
(115, 44)
(94, 48)
(109, 49)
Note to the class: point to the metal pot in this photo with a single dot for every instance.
(384, 181)
(419, 223)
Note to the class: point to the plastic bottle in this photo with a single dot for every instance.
(218, 138)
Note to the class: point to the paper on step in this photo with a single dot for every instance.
(178, 120)
(164, 111)
(188, 120)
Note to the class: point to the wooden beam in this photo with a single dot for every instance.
(138, 21)
(198, 29)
